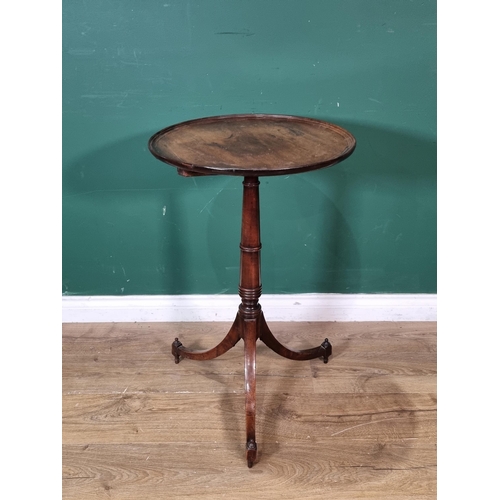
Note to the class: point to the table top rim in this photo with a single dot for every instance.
(186, 168)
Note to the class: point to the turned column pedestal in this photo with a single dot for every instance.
(250, 324)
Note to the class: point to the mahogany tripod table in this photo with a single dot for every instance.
(251, 145)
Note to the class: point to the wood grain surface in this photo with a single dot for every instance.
(252, 144)
(135, 425)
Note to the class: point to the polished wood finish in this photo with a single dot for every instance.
(135, 425)
(250, 324)
(251, 146)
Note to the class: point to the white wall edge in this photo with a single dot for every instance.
(293, 307)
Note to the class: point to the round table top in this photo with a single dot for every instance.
(251, 145)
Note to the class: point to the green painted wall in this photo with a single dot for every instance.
(131, 225)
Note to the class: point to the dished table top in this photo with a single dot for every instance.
(251, 145)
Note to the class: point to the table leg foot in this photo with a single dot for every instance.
(323, 351)
(327, 350)
(251, 452)
(230, 340)
(175, 350)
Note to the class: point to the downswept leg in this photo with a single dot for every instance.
(250, 339)
(230, 340)
(323, 351)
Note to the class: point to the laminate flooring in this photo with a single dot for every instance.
(137, 426)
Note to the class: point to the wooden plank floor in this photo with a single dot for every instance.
(137, 426)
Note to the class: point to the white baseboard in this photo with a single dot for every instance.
(293, 307)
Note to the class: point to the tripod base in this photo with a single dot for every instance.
(250, 329)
